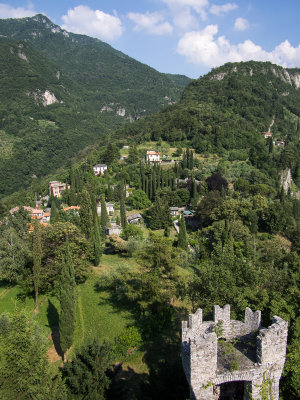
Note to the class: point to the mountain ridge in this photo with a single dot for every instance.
(229, 108)
(61, 92)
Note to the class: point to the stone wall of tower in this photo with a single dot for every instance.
(203, 353)
(271, 343)
(200, 353)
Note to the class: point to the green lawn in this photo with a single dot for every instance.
(96, 317)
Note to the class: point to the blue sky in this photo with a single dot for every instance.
(180, 36)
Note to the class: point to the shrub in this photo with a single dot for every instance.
(130, 339)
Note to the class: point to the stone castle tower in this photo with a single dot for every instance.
(242, 362)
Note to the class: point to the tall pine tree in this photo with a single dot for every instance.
(37, 259)
(122, 209)
(104, 217)
(67, 301)
(86, 214)
(26, 372)
(97, 244)
(54, 212)
(182, 235)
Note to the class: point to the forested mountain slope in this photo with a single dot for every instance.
(61, 92)
(230, 108)
(110, 75)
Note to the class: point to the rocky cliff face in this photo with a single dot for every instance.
(286, 179)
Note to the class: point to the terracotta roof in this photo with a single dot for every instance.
(71, 208)
(36, 217)
(31, 227)
(151, 152)
(36, 211)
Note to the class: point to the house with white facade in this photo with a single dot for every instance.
(99, 169)
(267, 135)
(152, 157)
(110, 208)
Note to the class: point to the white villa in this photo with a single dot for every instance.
(109, 208)
(99, 169)
(152, 157)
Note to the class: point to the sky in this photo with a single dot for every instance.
(187, 37)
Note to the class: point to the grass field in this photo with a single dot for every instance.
(96, 317)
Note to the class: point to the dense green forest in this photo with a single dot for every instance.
(228, 109)
(91, 89)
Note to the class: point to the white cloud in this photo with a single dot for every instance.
(7, 11)
(184, 20)
(241, 24)
(184, 9)
(220, 10)
(202, 47)
(96, 23)
(151, 23)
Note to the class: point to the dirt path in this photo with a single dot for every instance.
(4, 293)
(81, 316)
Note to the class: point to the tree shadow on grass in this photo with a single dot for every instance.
(53, 321)
(162, 353)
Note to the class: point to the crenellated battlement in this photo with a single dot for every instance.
(202, 355)
(231, 328)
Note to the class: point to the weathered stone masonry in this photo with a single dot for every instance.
(202, 367)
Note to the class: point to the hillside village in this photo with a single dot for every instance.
(42, 212)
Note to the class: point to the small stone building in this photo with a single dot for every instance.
(134, 218)
(258, 355)
(113, 230)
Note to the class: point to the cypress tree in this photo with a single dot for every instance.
(159, 214)
(67, 301)
(184, 160)
(94, 206)
(158, 180)
(110, 194)
(37, 259)
(97, 244)
(54, 212)
(182, 235)
(151, 188)
(104, 217)
(147, 186)
(122, 210)
(144, 183)
(191, 160)
(194, 189)
(86, 214)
